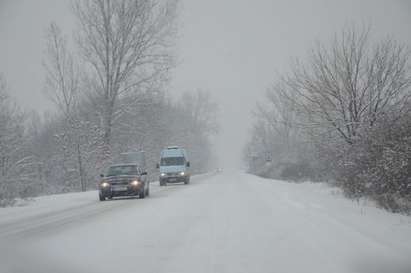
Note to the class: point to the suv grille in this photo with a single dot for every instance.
(120, 181)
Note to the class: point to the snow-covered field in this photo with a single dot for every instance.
(229, 222)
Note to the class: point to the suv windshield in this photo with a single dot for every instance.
(172, 161)
(122, 170)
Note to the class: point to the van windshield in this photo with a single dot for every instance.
(172, 161)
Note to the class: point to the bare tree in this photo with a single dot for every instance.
(329, 105)
(62, 78)
(279, 114)
(351, 85)
(63, 88)
(201, 109)
(277, 141)
(352, 100)
(127, 45)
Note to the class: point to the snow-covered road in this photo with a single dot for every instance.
(228, 222)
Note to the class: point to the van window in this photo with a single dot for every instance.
(172, 161)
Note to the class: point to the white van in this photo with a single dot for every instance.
(174, 166)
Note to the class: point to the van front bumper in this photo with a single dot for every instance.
(173, 179)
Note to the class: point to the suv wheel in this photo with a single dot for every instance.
(142, 194)
(101, 197)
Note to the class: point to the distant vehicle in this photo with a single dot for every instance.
(127, 179)
(174, 166)
(138, 158)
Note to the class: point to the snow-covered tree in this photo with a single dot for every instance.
(351, 101)
(350, 85)
(126, 45)
(15, 162)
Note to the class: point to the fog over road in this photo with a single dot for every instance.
(225, 222)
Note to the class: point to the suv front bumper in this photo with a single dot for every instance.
(129, 191)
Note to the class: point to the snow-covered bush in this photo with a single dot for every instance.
(379, 165)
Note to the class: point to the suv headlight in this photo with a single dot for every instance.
(162, 174)
(135, 183)
(105, 185)
(182, 173)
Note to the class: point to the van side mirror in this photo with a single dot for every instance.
(101, 175)
(158, 166)
(188, 163)
(144, 173)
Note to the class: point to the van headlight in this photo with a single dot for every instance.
(182, 173)
(105, 185)
(162, 174)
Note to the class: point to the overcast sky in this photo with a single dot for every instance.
(233, 48)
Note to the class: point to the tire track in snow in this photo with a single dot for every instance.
(54, 221)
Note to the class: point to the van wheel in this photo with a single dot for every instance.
(162, 183)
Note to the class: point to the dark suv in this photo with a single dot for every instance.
(124, 180)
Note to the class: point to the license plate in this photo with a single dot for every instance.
(172, 179)
(119, 188)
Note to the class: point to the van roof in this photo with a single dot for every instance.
(173, 152)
